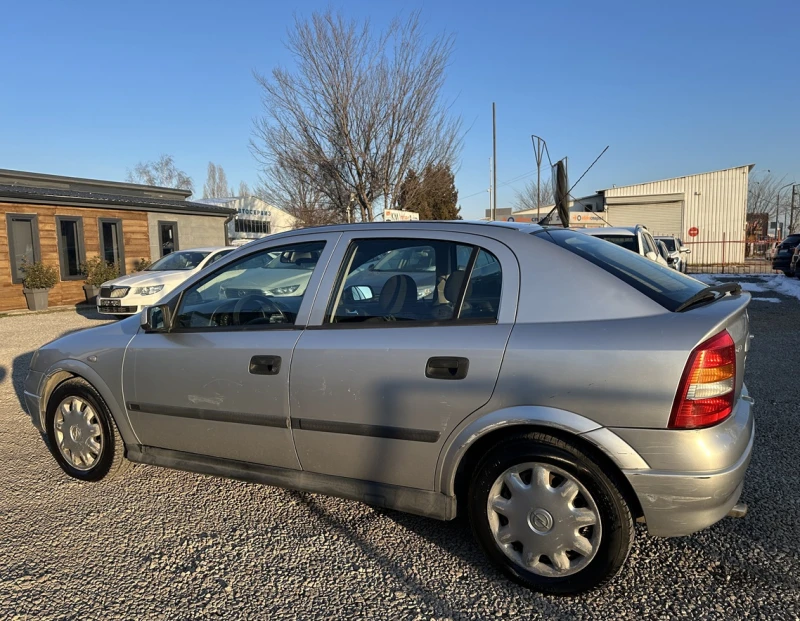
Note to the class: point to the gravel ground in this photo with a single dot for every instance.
(167, 544)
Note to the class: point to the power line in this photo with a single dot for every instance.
(505, 183)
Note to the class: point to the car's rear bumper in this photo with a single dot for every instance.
(783, 263)
(680, 503)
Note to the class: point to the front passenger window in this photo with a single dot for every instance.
(262, 289)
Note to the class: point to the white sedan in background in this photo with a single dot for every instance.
(127, 295)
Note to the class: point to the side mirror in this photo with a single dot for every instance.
(358, 293)
(156, 319)
(686, 250)
(652, 256)
(371, 267)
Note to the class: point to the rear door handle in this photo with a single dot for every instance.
(265, 365)
(447, 368)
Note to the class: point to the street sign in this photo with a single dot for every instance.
(398, 215)
(694, 231)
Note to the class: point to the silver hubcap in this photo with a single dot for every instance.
(544, 519)
(79, 435)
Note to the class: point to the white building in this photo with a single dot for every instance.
(708, 211)
(254, 218)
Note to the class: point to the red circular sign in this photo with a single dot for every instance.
(693, 232)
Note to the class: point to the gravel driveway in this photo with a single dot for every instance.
(167, 544)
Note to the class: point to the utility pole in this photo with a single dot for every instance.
(778, 210)
(494, 160)
(490, 186)
(538, 152)
(791, 210)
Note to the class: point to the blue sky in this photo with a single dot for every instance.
(91, 88)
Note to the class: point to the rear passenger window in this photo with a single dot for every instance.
(664, 285)
(392, 281)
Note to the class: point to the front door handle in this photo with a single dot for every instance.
(447, 368)
(265, 365)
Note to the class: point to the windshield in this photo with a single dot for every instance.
(183, 260)
(623, 241)
(661, 284)
(669, 242)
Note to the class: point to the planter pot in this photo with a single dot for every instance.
(36, 298)
(91, 292)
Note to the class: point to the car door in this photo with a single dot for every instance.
(387, 370)
(217, 384)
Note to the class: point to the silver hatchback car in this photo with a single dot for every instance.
(552, 386)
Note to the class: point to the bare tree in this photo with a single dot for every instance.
(526, 199)
(772, 195)
(216, 185)
(162, 173)
(299, 195)
(244, 189)
(359, 111)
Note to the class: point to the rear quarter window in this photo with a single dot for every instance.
(666, 286)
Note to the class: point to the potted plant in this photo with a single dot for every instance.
(37, 280)
(141, 265)
(97, 272)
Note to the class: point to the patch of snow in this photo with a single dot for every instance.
(782, 284)
(775, 300)
(709, 279)
(777, 283)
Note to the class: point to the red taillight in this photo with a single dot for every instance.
(705, 394)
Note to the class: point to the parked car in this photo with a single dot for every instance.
(561, 392)
(127, 295)
(795, 259)
(634, 238)
(662, 250)
(771, 250)
(677, 251)
(783, 257)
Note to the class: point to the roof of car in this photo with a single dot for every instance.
(465, 225)
(611, 230)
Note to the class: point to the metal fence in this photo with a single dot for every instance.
(729, 256)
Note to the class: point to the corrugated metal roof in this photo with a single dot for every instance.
(712, 172)
(61, 196)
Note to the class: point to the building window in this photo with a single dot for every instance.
(23, 242)
(112, 249)
(168, 237)
(71, 251)
(251, 226)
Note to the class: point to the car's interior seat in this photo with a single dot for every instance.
(452, 287)
(397, 299)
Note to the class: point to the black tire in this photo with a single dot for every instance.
(111, 460)
(617, 530)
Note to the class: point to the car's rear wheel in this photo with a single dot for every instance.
(83, 436)
(548, 516)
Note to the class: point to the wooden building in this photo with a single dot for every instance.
(62, 221)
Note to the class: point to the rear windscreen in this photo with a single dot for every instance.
(623, 241)
(661, 284)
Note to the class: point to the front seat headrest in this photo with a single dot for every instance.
(397, 294)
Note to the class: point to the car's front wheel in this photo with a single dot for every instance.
(83, 436)
(548, 516)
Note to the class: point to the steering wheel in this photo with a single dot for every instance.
(265, 306)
